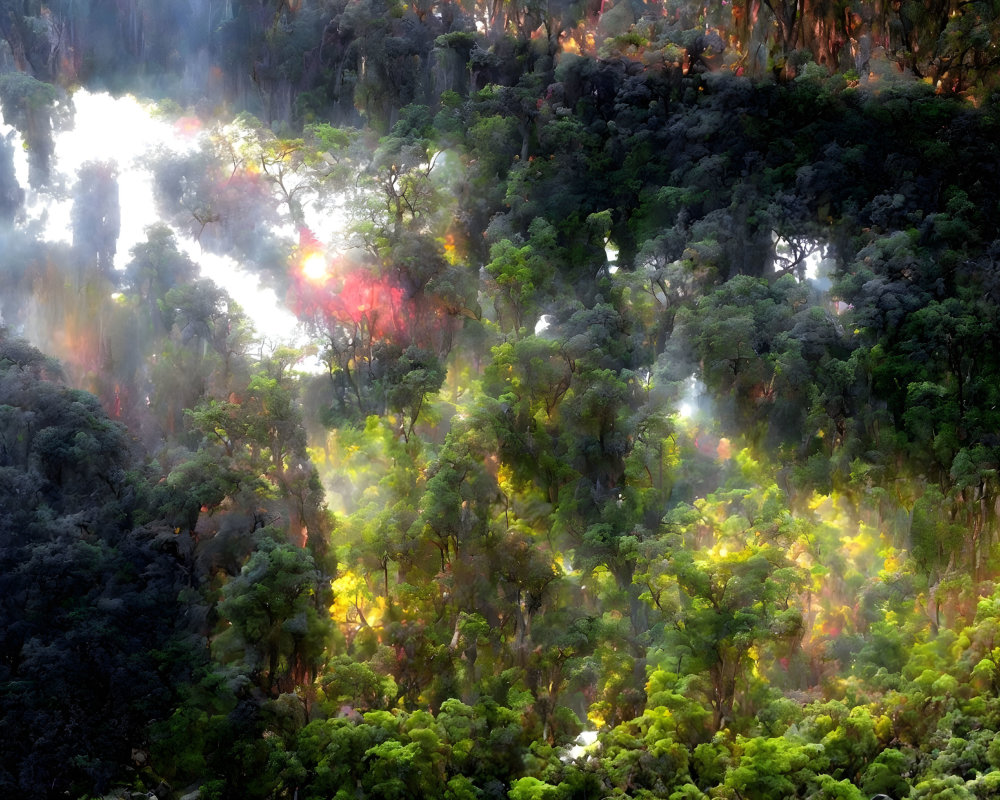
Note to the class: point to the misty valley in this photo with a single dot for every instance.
(506, 400)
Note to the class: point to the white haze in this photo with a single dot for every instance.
(123, 130)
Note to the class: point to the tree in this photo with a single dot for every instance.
(34, 108)
(276, 629)
(400, 193)
(408, 382)
(737, 591)
(97, 216)
(770, 767)
(92, 629)
(520, 273)
(11, 193)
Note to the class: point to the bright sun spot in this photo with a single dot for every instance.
(690, 398)
(314, 268)
(583, 742)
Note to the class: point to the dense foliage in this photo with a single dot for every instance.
(642, 395)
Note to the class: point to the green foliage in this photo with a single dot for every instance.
(741, 520)
(34, 108)
(92, 625)
(275, 628)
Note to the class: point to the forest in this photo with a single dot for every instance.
(640, 437)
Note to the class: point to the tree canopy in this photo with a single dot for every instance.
(638, 438)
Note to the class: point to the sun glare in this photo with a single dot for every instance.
(687, 408)
(314, 268)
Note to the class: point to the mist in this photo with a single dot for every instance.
(481, 402)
